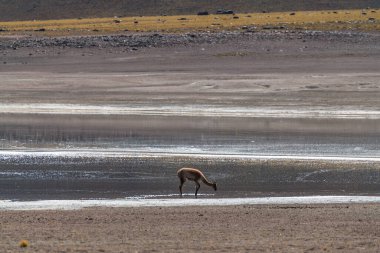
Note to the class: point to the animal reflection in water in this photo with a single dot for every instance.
(193, 175)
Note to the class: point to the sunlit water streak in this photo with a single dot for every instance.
(9, 154)
(190, 110)
(169, 202)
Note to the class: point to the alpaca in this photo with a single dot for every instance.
(193, 175)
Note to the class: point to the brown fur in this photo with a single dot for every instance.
(193, 175)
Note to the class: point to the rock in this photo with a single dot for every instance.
(203, 13)
(224, 12)
(268, 27)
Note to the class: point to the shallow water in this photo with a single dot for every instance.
(75, 156)
(34, 175)
(192, 134)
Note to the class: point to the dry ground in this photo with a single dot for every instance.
(284, 228)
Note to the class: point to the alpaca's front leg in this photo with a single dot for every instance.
(197, 189)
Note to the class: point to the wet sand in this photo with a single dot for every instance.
(254, 228)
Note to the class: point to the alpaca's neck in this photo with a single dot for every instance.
(207, 182)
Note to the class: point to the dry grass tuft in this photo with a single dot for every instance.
(367, 20)
(24, 243)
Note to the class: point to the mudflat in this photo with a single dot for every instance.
(274, 228)
(338, 70)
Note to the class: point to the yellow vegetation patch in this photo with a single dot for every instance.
(368, 20)
(24, 243)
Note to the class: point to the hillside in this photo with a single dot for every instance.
(60, 9)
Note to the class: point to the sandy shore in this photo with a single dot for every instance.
(268, 228)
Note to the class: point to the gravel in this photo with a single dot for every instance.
(136, 41)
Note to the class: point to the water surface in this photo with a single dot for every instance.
(75, 156)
